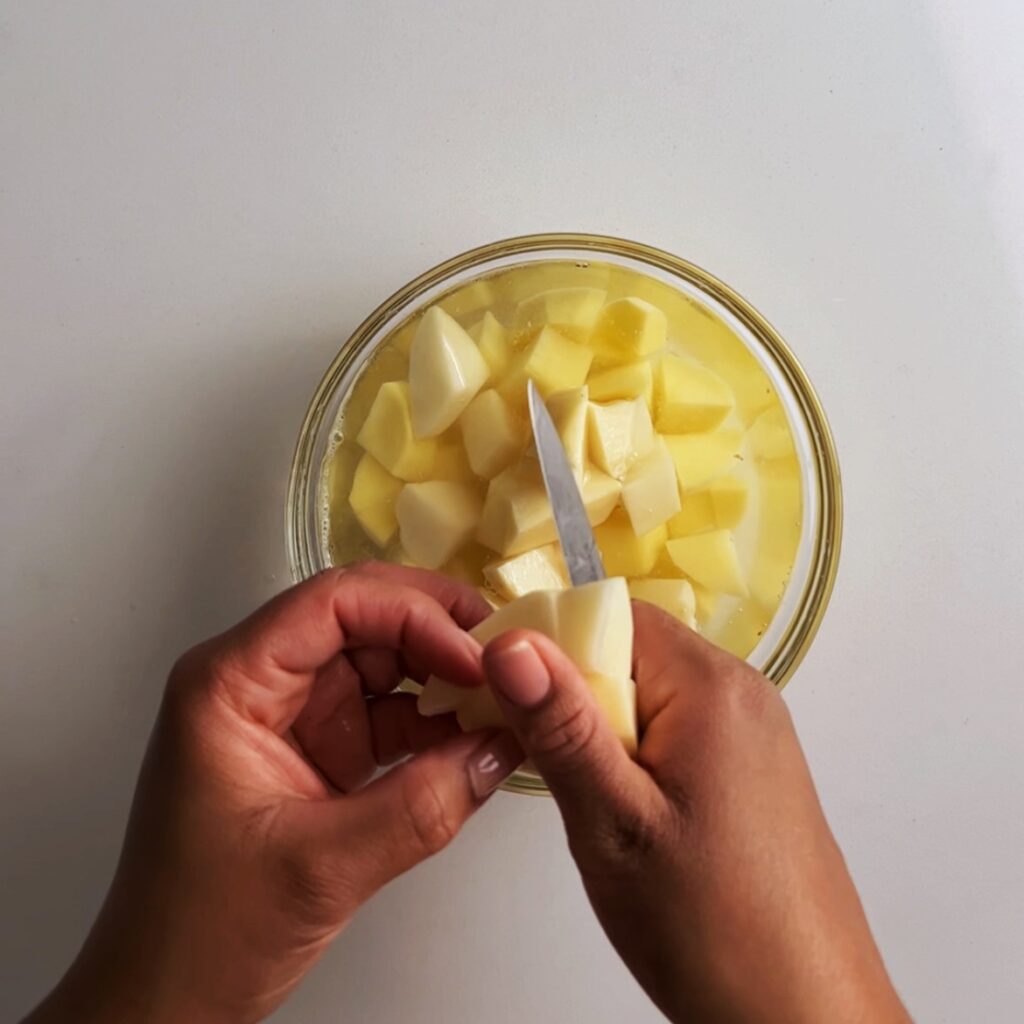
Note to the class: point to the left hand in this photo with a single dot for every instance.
(254, 835)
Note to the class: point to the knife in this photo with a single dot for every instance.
(579, 549)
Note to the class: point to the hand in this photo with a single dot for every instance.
(708, 860)
(252, 837)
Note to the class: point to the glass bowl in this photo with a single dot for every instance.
(789, 633)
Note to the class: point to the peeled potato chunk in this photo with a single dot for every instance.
(568, 411)
(595, 627)
(491, 433)
(446, 370)
(572, 310)
(688, 396)
(552, 361)
(628, 329)
(388, 436)
(622, 551)
(673, 596)
(517, 514)
(538, 569)
(631, 380)
(493, 341)
(650, 491)
(702, 458)
(619, 433)
(373, 495)
(711, 560)
(435, 519)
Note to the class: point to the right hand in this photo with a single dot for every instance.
(708, 860)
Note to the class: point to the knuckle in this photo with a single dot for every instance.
(428, 819)
(567, 737)
(310, 886)
(620, 842)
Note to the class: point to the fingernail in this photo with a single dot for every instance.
(518, 674)
(492, 763)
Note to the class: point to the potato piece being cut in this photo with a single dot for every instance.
(592, 624)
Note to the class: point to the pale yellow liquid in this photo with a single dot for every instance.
(769, 534)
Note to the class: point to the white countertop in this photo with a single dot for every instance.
(198, 201)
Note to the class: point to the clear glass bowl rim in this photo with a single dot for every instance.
(302, 516)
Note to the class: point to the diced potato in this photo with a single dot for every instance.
(492, 434)
(702, 458)
(619, 433)
(388, 436)
(470, 297)
(551, 361)
(601, 494)
(721, 504)
(446, 370)
(627, 330)
(630, 380)
(538, 569)
(517, 514)
(373, 495)
(568, 411)
(622, 551)
(689, 397)
(707, 603)
(711, 560)
(697, 515)
(650, 491)
(572, 310)
(781, 522)
(493, 341)
(451, 462)
(595, 627)
(673, 596)
(435, 519)
(770, 436)
(617, 699)
(729, 497)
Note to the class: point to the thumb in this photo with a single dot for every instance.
(416, 809)
(548, 705)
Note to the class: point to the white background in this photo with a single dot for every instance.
(198, 201)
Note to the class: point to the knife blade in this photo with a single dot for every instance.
(579, 549)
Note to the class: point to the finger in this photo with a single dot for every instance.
(463, 602)
(267, 663)
(397, 729)
(679, 676)
(333, 730)
(670, 661)
(550, 708)
(380, 669)
(412, 812)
